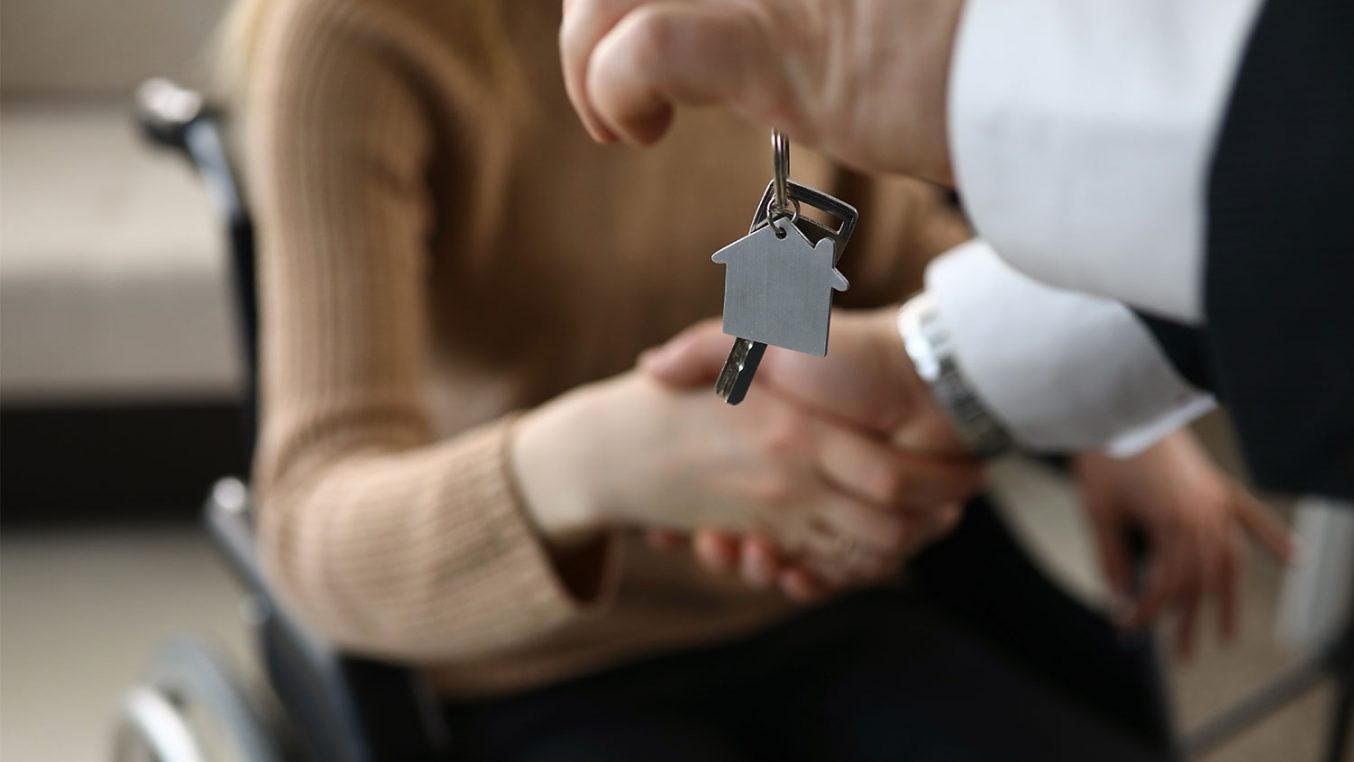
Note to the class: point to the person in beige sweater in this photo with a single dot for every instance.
(457, 455)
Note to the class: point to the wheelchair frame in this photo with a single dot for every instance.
(344, 708)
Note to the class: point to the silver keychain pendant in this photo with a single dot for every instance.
(779, 278)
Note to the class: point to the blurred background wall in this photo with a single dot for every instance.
(118, 378)
(100, 48)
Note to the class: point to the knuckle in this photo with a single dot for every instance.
(786, 434)
(772, 491)
(653, 33)
(893, 484)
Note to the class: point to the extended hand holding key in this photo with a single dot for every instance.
(864, 81)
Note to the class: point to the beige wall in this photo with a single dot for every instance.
(102, 47)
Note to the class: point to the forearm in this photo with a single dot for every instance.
(419, 554)
(1056, 369)
(1082, 142)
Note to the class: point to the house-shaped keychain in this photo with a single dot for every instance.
(778, 287)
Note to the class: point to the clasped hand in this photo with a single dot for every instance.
(1194, 518)
(822, 500)
(834, 470)
(868, 385)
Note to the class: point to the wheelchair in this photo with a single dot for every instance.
(191, 707)
(321, 704)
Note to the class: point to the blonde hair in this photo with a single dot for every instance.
(237, 43)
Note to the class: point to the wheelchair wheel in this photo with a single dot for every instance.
(190, 709)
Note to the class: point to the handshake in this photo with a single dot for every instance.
(855, 438)
(837, 469)
(827, 475)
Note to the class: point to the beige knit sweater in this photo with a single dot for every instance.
(441, 246)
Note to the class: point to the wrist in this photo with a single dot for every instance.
(945, 393)
(551, 457)
(900, 367)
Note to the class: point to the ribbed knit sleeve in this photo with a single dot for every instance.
(383, 539)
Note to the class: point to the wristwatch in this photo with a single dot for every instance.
(933, 355)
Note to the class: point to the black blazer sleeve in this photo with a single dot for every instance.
(1185, 346)
(1279, 268)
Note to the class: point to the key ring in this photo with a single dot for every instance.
(778, 207)
(780, 165)
(774, 215)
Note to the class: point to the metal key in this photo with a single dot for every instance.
(780, 277)
(736, 376)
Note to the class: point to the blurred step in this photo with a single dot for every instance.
(112, 275)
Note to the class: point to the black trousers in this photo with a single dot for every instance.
(975, 657)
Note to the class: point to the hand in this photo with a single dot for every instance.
(862, 80)
(631, 452)
(760, 562)
(866, 380)
(1195, 519)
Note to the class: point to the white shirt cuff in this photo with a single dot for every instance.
(1082, 132)
(1062, 371)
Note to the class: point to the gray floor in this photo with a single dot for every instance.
(80, 611)
(83, 608)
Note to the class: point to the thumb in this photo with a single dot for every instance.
(668, 54)
(691, 358)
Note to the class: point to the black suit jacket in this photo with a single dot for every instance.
(1278, 349)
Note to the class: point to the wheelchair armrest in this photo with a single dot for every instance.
(179, 119)
(229, 518)
(164, 110)
(348, 709)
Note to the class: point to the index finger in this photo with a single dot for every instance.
(692, 357)
(885, 476)
(683, 52)
(584, 24)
